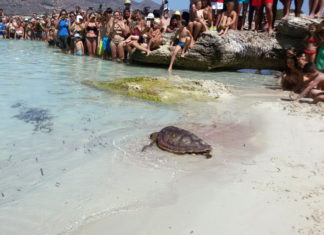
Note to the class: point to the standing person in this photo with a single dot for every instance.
(2, 15)
(251, 16)
(117, 38)
(3, 29)
(19, 34)
(258, 4)
(287, 4)
(311, 44)
(185, 41)
(320, 42)
(245, 5)
(29, 32)
(165, 19)
(63, 26)
(91, 28)
(315, 8)
(78, 47)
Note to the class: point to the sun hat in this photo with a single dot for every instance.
(150, 16)
(177, 13)
(128, 1)
(166, 9)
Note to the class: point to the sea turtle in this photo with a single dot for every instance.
(176, 140)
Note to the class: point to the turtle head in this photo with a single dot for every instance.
(154, 136)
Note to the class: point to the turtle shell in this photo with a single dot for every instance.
(180, 141)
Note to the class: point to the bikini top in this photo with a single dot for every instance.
(94, 29)
(118, 29)
(312, 40)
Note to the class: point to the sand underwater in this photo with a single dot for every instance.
(71, 160)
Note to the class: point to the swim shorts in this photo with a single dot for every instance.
(181, 44)
(106, 44)
(260, 3)
(243, 1)
(63, 42)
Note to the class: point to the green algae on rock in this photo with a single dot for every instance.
(163, 89)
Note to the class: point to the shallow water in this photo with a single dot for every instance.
(69, 152)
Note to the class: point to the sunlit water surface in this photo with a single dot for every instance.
(68, 152)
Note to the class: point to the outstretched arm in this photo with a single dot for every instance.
(311, 85)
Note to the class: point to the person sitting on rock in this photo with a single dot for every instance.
(198, 25)
(228, 19)
(155, 34)
(185, 42)
(174, 23)
(315, 89)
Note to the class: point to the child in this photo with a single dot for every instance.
(3, 29)
(185, 42)
(78, 49)
(228, 20)
(315, 89)
(311, 44)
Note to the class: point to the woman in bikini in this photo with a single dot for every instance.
(91, 28)
(117, 34)
(311, 44)
(19, 34)
(292, 79)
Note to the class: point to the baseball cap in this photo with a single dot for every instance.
(150, 16)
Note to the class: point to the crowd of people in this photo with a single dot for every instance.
(116, 34)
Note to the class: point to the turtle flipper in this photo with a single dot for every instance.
(208, 155)
(148, 146)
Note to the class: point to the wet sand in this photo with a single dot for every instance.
(265, 176)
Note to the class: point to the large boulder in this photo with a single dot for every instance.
(239, 50)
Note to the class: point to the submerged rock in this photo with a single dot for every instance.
(239, 50)
(162, 89)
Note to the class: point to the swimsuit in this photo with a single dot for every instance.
(79, 53)
(51, 43)
(92, 39)
(181, 44)
(243, 1)
(260, 3)
(310, 52)
(320, 59)
(312, 40)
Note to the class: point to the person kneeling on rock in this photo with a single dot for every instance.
(185, 41)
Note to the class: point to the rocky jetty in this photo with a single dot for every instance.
(163, 89)
(239, 50)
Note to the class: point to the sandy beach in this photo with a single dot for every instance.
(265, 177)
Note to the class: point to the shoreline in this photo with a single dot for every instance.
(279, 177)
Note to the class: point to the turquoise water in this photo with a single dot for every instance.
(53, 129)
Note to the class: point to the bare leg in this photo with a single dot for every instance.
(197, 30)
(191, 27)
(176, 50)
(113, 51)
(317, 95)
(313, 7)
(269, 16)
(185, 47)
(121, 52)
(94, 47)
(287, 4)
(218, 18)
(298, 7)
(89, 46)
(257, 18)
(319, 9)
(229, 20)
(141, 48)
(223, 25)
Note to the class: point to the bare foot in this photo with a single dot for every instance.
(182, 55)
(311, 16)
(285, 17)
(270, 32)
(169, 70)
(148, 52)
